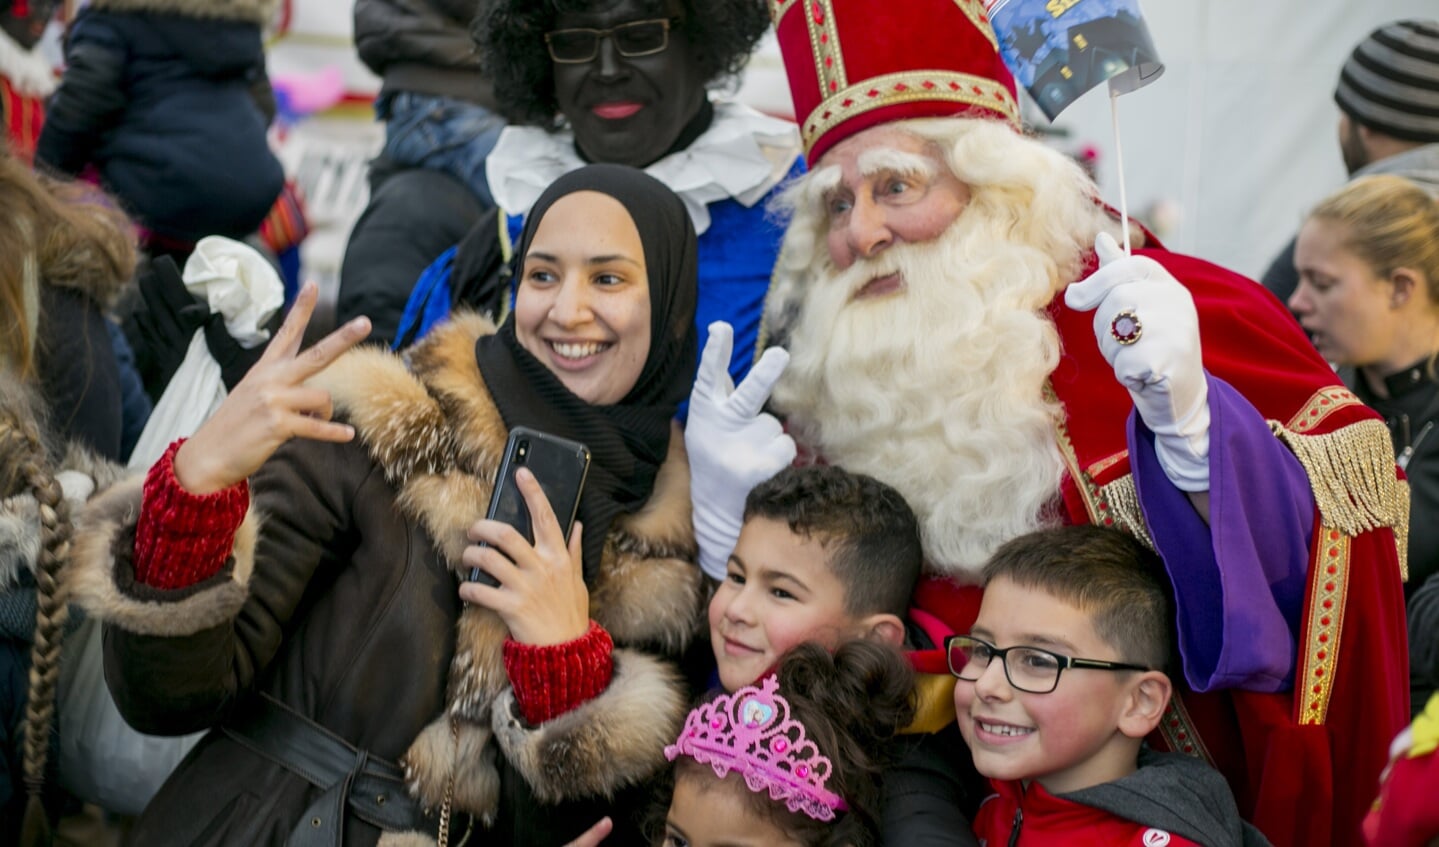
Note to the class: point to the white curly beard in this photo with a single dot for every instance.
(937, 390)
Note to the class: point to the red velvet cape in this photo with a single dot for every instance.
(1305, 764)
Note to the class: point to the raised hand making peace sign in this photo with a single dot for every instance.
(733, 444)
(270, 405)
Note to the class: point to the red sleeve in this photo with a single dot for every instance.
(183, 539)
(556, 678)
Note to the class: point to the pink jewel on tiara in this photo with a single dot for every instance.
(751, 732)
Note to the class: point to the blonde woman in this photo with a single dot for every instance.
(1368, 262)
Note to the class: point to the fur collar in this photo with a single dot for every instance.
(435, 432)
(252, 11)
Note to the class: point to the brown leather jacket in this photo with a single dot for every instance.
(340, 602)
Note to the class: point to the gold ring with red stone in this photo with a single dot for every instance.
(1126, 327)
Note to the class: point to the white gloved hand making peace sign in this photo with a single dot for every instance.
(1148, 330)
(733, 445)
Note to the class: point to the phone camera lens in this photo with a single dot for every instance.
(523, 449)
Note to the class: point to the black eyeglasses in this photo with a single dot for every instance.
(1034, 670)
(636, 38)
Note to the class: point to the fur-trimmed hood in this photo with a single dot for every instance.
(85, 275)
(250, 11)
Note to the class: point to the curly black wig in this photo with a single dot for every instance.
(511, 36)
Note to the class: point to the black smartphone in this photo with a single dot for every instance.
(560, 466)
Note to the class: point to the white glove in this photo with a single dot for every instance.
(733, 445)
(1161, 366)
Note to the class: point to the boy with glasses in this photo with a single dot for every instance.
(1060, 679)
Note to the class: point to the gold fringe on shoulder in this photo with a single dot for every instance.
(1351, 474)
(1123, 500)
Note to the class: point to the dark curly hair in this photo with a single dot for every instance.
(511, 37)
(852, 703)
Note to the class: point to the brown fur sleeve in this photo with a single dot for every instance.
(102, 575)
(611, 742)
(649, 590)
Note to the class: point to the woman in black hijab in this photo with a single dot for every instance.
(628, 439)
(354, 698)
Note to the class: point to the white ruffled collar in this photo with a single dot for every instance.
(741, 156)
(27, 70)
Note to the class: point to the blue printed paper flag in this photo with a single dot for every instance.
(1059, 49)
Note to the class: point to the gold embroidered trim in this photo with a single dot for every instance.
(1179, 733)
(1329, 587)
(1115, 504)
(974, 10)
(905, 87)
(824, 46)
(1325, 402)
(1351, 474)
(1103, 465)
(778, 8)
(1094, 502)
(1123, 499)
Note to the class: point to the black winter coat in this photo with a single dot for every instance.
(422, 46)
(414, 215)
(172, 110)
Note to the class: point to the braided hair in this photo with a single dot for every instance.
(25, 468)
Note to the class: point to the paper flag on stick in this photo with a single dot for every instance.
(1059, 49)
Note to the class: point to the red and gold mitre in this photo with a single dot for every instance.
(853, 64)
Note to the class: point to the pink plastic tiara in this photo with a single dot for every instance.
(752, 733)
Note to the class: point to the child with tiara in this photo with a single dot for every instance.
(791, 759)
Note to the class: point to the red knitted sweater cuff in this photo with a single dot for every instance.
(183, 539)
(556, 678)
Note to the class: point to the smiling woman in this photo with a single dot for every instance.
(624, 81)
(531, 708)
(598, 348)
(583, 305)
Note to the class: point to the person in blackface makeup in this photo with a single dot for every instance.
(625, 81)
(289, 581)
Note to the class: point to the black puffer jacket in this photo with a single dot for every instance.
(414, 215)
(168, 99)
(423, 46)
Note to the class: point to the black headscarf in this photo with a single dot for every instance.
(628, 440)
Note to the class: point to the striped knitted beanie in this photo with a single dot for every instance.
(1391, 81)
